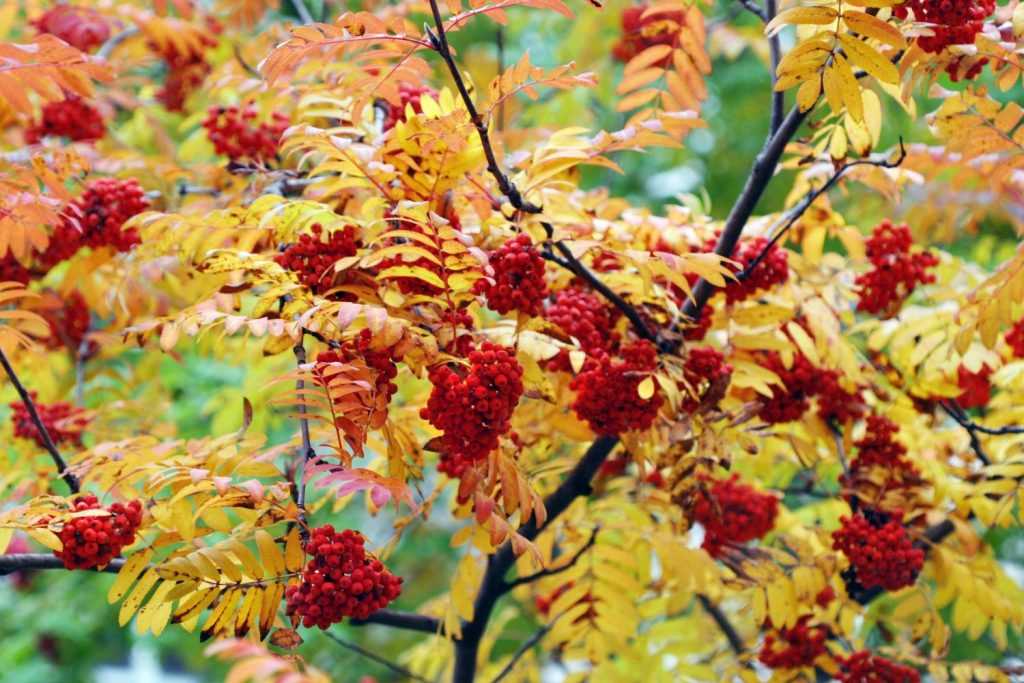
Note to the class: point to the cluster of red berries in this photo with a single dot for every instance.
(382, 362)
(12, 270)
(340, 580)
(409, 95)
(896, 272)
(94, 541)
(1015, 339)
(69, 322)
(864, 667)
(95, 219)
(235, 134)
(704, 368)
(454, 334)
(582, 315)
(976, 387)
(473, 410)
(518, 283)
(80, 27)
(878, 450)
(63, 422)
(836, 402)
(607, 390)
(799, 383)
(879, 549)
(771, 271)
(732, 513)
(952, 23)
(795, 647)
(640, 32)
(71, 118)
(186, 71)
(312, 259)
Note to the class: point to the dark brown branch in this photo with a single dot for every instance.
(401, 671)
(32, 561)
(403, 620)
(754, 9)
(956, 412)
(793, 215)
(774, 58)
(551, 571)
(524, 648)
(306, 453)
(967, 423)
(716, 613)
(30, 406)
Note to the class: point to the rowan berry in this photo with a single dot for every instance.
(773, 270)
(340, 580)
(381, 362)
(63, 422)
(93, 541)
(71, 118)
(186, 70)
(1015, 339)
(69, 322)
(704, 368)
(896, 272)
(12, 270)
(235, 133)
(80, 27)
(799, 383)
(951, 23)
(732, 513)
(976, 387)
(794, 647)
(313, 257)
(879, 549)
(582, 315)
(864, 667)
(607, 390)
(835, 402)
(409, 96)
(518, 283)
(473, 407)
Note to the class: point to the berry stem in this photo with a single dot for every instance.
(30, 406)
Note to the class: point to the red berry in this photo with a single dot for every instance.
(518, 283)
(732, 513)
(864, 667)
(94, 541)
(409, 95)
(71, 118)
(795, 647)
(1015, 339)
(773, 270)
(896, 272)
(11, 270)
(234, 134)
(879, 549)
(69, 321)
(81, 27)
(584, 316)
(704, 368)
(312, 258)
(607, 390)
(976, 387)
(952, 23)
(63, 422)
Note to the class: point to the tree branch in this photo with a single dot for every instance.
(715, 612)
(403, 620)
(108, 47)
(300, 8)
(525, 647)
(401, 671)
(62, 469)
(775, 56)
(754, 9)
(32, 561)
(551, 571)
(306, 453)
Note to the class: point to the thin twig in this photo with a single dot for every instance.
(306, 453)
(967, 423)
(31, 561)
(774, 58)
(401, 671)
(784, 224)
(30, 406)
(551, 571)
(754, 9)
(300, 8)
(108, 47)
(403, 620)
(716, 613)
(525, 647)
(246, 66)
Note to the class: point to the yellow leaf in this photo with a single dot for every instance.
(646, 388)
(47, 538)
(869, 59)
(130, 571)
(801, 15)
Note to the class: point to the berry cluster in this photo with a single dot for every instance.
(69, 322)
(235, 134)
(63, 422)
(976, 387)
(412, 285)
(607, 390)
(795, 647)
(473, 410)
(12, 270)
(95, 220)
(340, 580)
(836, 402)
(71, 118)
(879, 549)
(878, 450)
(704, 368)
(864, 667)
(640, 32)
(312, 258)
(80, 27)
(409, 95)
(771, 271)
(697, 329)
(582, 315)
(1015, 339)
(381, 362)
(518, 283)
(952, 23)
(896, 272)
(799, 383)
(94, 541)
(186, 71)
(732, 513)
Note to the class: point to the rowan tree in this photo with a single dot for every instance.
(663, 445)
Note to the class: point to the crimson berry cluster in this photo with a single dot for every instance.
(607, 395)
(794, 647)
(71, 118)
(704, 368)
(976, 387)
(732, 513)
(801, 382)
(68, 322)
(95, 219)
(12, 270)
(896, 272)
(235, 133)
(879, 451)
(865, 667)
(771, 271)
(879, 549)
(518, 283)
(94, 541)
(80, 27)
(312, 258)
(186, 71)
(409, 95)
(63, 422)
(473, 409)
(951, 23)
(640, 32)
(1015, 339)
(582, 315)
(340, 580)
(382, 362)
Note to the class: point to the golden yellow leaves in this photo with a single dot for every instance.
(16, 324)
(48, 67)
